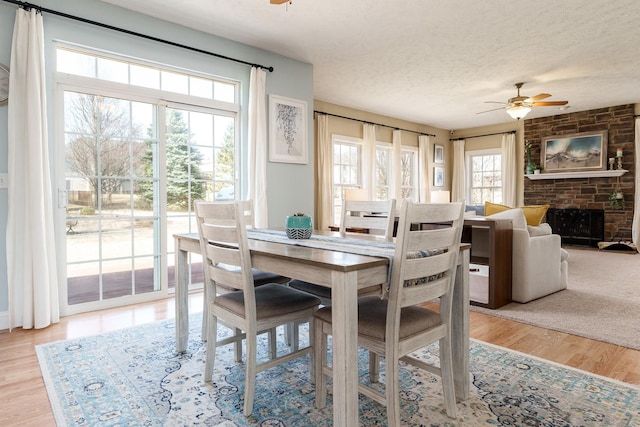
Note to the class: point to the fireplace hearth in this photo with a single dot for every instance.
(583, 227)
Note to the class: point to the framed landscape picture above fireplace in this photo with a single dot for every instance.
(586, 151)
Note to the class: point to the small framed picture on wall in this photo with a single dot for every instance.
(287, 130)
(438, 176)
(438, 153)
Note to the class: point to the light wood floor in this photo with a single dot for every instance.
(25, 402)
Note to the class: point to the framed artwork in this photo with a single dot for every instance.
(578, 152)
(438, 176)
(438, 153)
(287, 130)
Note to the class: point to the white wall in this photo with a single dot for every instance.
(290, 78)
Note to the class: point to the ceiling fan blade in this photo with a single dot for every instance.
(495, 102)
(538, 97)
(493, 109)
(549, 103)
(278, 1)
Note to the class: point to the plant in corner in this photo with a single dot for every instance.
(616, 199)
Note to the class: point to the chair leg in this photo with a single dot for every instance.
(392, 390)
(296, 336)
(312, 356)
(288, 333)
(212, 338)
(205, 315)
(273, 343)
(320, 360)
(250, 375)
(238, 345)
(446, 370)
(374, 367)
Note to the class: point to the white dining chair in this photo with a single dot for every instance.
(260, 277)
(423, 269)
(244, 306)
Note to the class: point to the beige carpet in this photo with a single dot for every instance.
(602, 301)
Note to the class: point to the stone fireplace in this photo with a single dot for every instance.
(588, 193)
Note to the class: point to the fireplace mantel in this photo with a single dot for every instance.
(582, 174)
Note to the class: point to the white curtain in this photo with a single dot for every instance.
(258, 146)
(325, 182)
(369, 160)
(635, 227)
(424, 169)
(459, 175)
(396, 179)
(509, 169)
(31, 256)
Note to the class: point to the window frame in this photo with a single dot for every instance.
(161, 100)
(469, 155)
(338, 188)
(414, 172)
(389, 149)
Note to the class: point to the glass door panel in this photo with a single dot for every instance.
(111, 175)
(200, 152)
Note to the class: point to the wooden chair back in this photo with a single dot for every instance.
(374, 215)
(224, 245)
(425, 260)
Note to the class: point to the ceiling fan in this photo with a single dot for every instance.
(519, 106)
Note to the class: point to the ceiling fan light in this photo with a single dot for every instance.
(518, 112)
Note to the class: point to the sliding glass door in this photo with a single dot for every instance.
(137, 146)
(131, 186)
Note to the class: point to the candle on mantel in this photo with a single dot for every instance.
(619, 152)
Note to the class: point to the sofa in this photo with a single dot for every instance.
(539, 265)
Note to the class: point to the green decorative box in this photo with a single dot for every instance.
(298, 226)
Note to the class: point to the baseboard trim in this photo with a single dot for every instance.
(4, 320)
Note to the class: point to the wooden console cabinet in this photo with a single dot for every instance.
(491, 246)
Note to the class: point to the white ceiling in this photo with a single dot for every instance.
(436, 62)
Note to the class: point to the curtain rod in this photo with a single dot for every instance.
(480, 136)
(28, 6)
(372, 123)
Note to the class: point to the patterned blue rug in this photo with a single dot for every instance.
(133, 377)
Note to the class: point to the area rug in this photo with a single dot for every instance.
(133, 377)
(601, 302)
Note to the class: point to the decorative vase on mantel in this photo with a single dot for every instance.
(530, 166)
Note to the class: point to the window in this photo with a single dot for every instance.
(347, 169)
(409, 174)
(382, 171)
(484, 176)
(117, 70)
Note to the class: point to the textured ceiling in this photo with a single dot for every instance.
(437, 62)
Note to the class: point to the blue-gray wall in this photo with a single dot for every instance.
(290, 187)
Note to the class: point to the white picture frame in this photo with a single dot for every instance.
(438, 153)
(287, 130)
(438, 176)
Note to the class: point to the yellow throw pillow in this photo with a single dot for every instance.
(494, 208)
(533, 213)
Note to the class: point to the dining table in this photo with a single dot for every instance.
(344, 272)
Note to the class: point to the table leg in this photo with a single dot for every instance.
(460, 327)
(181, 297)
(345, 348)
